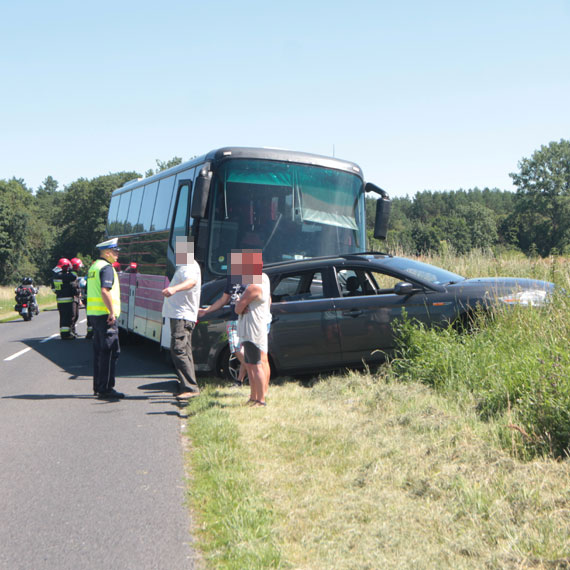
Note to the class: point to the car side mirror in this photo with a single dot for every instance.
(403, 288)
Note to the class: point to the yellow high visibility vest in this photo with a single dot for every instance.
(95, 304)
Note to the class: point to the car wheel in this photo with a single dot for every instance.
(228, 365)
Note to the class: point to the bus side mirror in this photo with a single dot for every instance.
(383, 205)
(201, 192)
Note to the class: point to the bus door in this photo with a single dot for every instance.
(132, 287)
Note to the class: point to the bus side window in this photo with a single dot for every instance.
(179, 224)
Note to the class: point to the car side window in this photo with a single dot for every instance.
(355, 282)
(384, 283)
(299, 287)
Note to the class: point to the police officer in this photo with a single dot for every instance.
(64, 283)
(103, 309)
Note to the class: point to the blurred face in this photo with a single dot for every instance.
(111, 255)
(248, 264)
(184, 250)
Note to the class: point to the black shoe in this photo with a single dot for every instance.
(110, 395)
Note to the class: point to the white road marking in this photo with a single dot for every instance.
(18, 354)
(49, 337)
(29, 348)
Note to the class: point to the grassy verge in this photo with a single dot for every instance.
(236, 522)
(359, 471)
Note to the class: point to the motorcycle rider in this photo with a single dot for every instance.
(26, 292)
(64, 283)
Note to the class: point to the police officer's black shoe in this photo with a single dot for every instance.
(110, 395)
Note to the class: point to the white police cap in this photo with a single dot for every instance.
(109, 244)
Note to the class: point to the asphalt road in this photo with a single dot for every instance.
(85, 483)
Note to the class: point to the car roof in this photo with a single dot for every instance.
(326, 261)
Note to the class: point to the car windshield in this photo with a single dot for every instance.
(289, 211)
(417, 270)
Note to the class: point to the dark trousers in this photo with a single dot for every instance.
(65, 318)
(74, 315)
(181, 352)
(106, 351)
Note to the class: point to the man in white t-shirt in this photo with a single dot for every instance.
(253, 308)
(181, 303)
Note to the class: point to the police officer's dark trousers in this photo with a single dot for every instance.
(106, 350)
(181, 352)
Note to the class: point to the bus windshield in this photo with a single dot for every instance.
(289, 211)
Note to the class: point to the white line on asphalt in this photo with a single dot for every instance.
(49, 337)
(29, 348)
(18, 353)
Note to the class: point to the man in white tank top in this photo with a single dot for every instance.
(254, 316)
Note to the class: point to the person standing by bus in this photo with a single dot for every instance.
(103, 309)
(254, 310)
(181, 303)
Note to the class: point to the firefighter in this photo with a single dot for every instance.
(64, 283)
(103, 308)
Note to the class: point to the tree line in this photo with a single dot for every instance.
(535, 219)
(38, 227)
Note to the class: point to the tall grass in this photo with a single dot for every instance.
(515, 364)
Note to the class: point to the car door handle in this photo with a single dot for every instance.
(352, 313)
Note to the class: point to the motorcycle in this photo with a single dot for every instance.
(26, 303)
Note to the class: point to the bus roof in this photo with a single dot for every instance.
(249, 152)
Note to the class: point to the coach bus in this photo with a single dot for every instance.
(291, 205)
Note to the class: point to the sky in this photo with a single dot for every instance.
(438, 95)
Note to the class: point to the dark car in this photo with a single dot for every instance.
(336, 312)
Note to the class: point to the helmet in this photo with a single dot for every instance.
(27, 281)
(76, 263)
(64, 263)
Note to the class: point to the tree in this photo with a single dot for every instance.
(542, 201)
(16, 212)
(82, 216)
(163, 165)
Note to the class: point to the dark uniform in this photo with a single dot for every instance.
(64, 283)
(106, 348)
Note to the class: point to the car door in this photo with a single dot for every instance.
(366, 313)
(304, 334)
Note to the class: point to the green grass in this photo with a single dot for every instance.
(515, 366)
(236, 521)
(361, 471)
